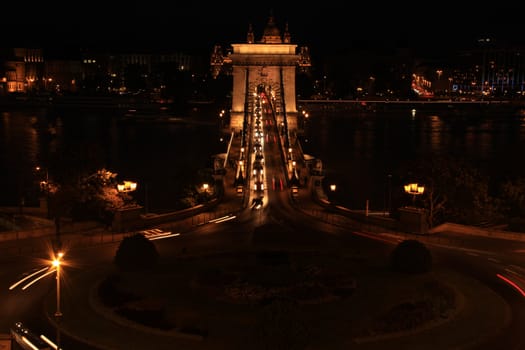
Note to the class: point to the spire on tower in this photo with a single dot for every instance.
(250, 36)
(271, 34)
(287, 38)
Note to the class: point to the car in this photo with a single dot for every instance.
(257, 203)
(258, 186)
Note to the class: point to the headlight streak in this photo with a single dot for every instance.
(164, 236)
(38, 278)
(227, 218)
(48, 341)
(16, 284)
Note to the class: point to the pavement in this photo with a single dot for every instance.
(87, 320)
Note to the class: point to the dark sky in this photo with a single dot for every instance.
(195, 25)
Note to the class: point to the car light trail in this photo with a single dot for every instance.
(227, 218)
(38, 278)
(164, 236)
(28, 343)
(48, 341)
(16, 284)
(222, 219)
(512, 284)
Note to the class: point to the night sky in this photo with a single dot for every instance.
(197, 26)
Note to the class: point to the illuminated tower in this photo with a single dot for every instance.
(269, 64)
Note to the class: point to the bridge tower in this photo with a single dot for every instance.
(268, 64)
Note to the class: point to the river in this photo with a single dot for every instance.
(361, 150)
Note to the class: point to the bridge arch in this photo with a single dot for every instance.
(270, 63)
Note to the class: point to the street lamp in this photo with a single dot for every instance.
(58, 312)
(332, 189)
(127, 186)
(56, 264)
(415, 190)
(45, 187)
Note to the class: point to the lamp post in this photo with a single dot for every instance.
(205, 187)
(56, 264)
(130, 186)
(333, 187)
(388, 195)
(44, 187)
(415, 190)
(58, 312)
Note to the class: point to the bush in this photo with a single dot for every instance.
(136, 252)
(411, 256)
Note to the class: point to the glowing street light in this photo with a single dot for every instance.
(415, 190)
(56, 264)
(58, 313)
(127, 186)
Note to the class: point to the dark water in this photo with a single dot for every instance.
(359, 150)
(160, 156)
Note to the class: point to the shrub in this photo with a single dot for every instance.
(136, 252)
(411, 256)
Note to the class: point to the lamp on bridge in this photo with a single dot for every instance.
(415, 190)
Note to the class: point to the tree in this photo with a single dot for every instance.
(99, 196)
(136, 252)
(513, 193)
(513, 196)
(455, 190)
